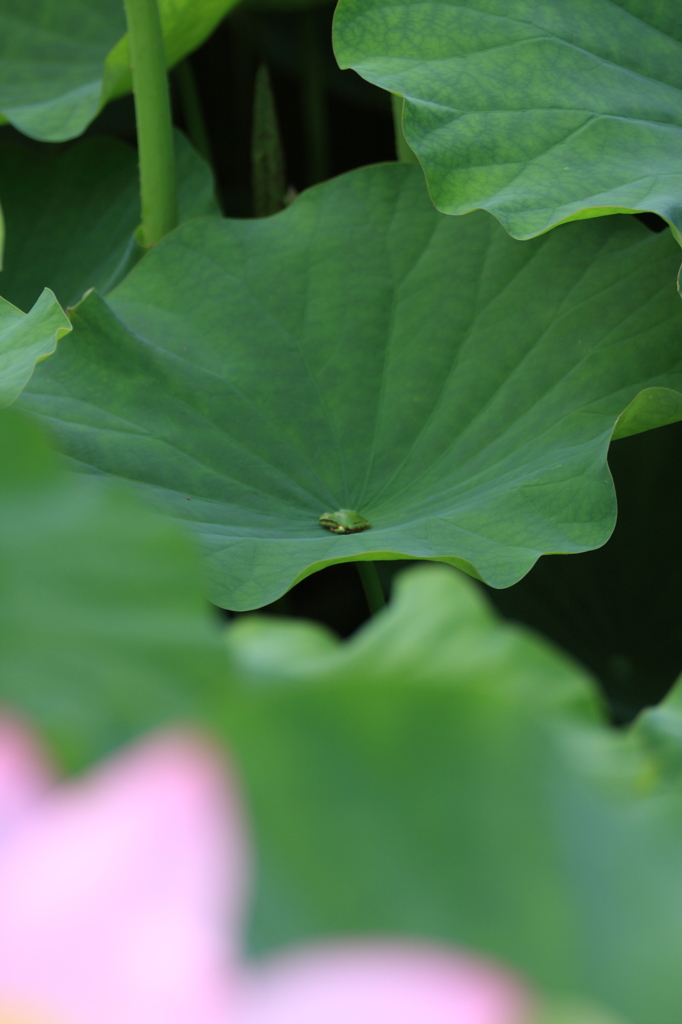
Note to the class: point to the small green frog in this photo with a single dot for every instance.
(344, 521)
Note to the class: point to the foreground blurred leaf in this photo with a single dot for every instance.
(56, 68)
(25, 339)
(71, 216)
(448, 775)
(361, 351)
(103, 630)
(536, 111)
(659, 730)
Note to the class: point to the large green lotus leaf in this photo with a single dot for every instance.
(539, 111)
(103, 627)
(361, 351)
(25, 339)
(62, 60)
(448, 775)
(71, 216)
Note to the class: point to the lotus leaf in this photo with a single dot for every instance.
(62, 60)
(539, 111)
(359, 351)
(25, 339)
(103, 627)
(445, 774)
(71, 215)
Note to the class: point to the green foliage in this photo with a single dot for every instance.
(103, 630)
(659, 731)
(575, 1012)
(539, 112)
(185, 23)
(71, 215)
(617, 608)
(363, 378)
(444, 774)
(153, 121)
(52, 63)
(452, 386)
(284, 5)
(25, 339)
(267, 156)
(62, 60)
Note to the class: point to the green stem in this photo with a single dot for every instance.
(268, 173)
(191, 109)
(403, 151)
(158, 186)
(371, 584)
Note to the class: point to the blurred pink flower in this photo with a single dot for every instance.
(121, 900)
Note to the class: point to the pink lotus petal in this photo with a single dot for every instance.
(24, 774)
(367, 983)
(113, 894)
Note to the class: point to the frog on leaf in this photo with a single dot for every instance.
(344, 521)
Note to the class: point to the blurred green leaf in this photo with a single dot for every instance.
(446, 774)
(659, 730)
(456, 388)
(71, 215)
(576, 1012)
(62, 60)
(103, 629)
(540, 111)
(25, 339)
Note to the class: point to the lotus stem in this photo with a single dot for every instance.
(371, 584)
(191, 109)
(158, 185)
